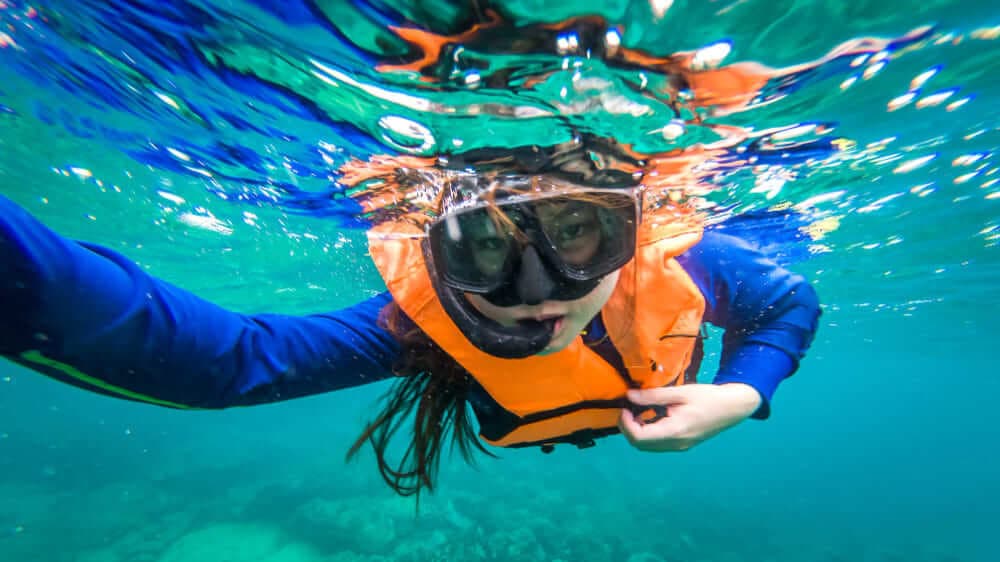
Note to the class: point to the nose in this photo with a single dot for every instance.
(533, 282)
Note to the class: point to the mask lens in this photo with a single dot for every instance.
(581, 238)
(472, 249)
(589, 237)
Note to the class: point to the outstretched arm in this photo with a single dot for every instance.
(86, 315)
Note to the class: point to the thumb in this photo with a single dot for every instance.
(664, 395)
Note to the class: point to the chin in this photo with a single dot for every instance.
(550, 350)
(560, 342)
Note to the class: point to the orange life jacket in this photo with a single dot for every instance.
(574, 391)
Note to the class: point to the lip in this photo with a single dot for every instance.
(544, 317)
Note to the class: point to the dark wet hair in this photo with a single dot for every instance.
(432, 388)
(587, 160)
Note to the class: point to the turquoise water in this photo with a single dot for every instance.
(203, 141)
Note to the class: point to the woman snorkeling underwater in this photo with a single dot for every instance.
(554, 295)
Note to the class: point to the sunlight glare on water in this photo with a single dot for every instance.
(261, 107)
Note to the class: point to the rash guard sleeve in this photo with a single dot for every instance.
(770, 315)
(86, 315)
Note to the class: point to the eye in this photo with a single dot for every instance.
(570, 232)
(575, 230)
(490, 244)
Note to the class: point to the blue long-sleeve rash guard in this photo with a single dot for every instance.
(90, 317)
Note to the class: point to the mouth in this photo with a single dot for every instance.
(552, 321)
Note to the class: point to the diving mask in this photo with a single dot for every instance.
(527, 248)
(521, 243)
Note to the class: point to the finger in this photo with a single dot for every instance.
(638, 436)
(637, 432)
(629, 426)
(663, 395)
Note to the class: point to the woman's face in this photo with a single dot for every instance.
(572, 316)
(575, 232)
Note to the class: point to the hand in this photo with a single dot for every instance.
(695, 412)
